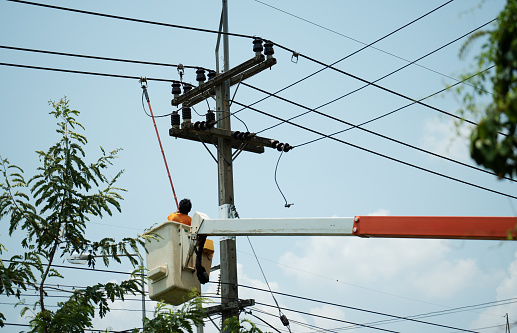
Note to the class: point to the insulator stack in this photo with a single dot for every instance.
(257, 46)
(176, 91)
(210, 119)
(200, 125)
(211, 75)
(268, 49)
(175, 119)
(200, 75)
(285, 147)
(187, 88)
(186, 113)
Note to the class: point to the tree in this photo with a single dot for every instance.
(493, 142)
(52, 209)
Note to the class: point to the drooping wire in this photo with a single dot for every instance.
(347, 56)
(143, 82)
(389, 74)
(287, 205)
(380, 154)
(282, 316)
(373, 133)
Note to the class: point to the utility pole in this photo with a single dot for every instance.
(228, 252)
(216, 130)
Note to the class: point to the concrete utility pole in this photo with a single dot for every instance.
(228, 252)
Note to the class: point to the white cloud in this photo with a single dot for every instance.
(327, 311)
(495, 315)
(405, 265)
(443, 137)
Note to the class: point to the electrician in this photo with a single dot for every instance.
(181, 215)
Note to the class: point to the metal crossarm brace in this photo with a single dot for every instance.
(217, 80)
(240, 304)
(254, 144)
(234, 80)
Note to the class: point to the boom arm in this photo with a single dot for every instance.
(437, 227)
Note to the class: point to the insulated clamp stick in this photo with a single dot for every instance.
(143, 82)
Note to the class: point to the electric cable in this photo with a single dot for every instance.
(97, 57)
(83, 72)
(287, 205)
(132, 19)
(333, 319)
(371, 132)
(319, 329)
(369, 326)
(381, 155)
(79, 268)
(380, 87)
(389, 74)
(249, 36)
(398, 109)
(282, 316)
(358, 41)
(354, 308)
(349, 55)
(144, 90)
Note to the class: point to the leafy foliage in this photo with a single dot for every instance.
(51, 210)
(168, 320)
(493, 141)
(234, 325)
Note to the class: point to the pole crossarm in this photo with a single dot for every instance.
(254, 144)
(243, 71)
(433, 227)
(240, 304)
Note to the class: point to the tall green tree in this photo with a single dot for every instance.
(51, 210)
(493, 141)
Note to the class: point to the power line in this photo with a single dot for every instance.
(377, 153)
(372, 312)
(83, 72)
(396, 110)
(97, 57)
(372, 132)
(132, 19)
(346, 57)
(389, 74)
(79, 268)
(355, 40)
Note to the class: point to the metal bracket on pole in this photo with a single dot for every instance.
(240, 304)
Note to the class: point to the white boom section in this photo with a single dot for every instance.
(317, 226)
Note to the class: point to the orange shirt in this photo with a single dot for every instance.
(181, 218)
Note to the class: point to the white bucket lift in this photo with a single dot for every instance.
(171, 263)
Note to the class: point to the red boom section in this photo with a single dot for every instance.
(439, 227)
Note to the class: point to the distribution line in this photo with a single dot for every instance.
(377, 86)
(356, 40)
(380, 154)
(398, 109)
(83, 72)
(97, 57)
(253, 37)
(372, 132)
(283, 120)
(389, 74)
(373, 312)
(348, 56)
(132, 19)
(352, 308)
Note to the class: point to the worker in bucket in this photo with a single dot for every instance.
(181, 215)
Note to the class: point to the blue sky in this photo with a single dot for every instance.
(325, 178)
